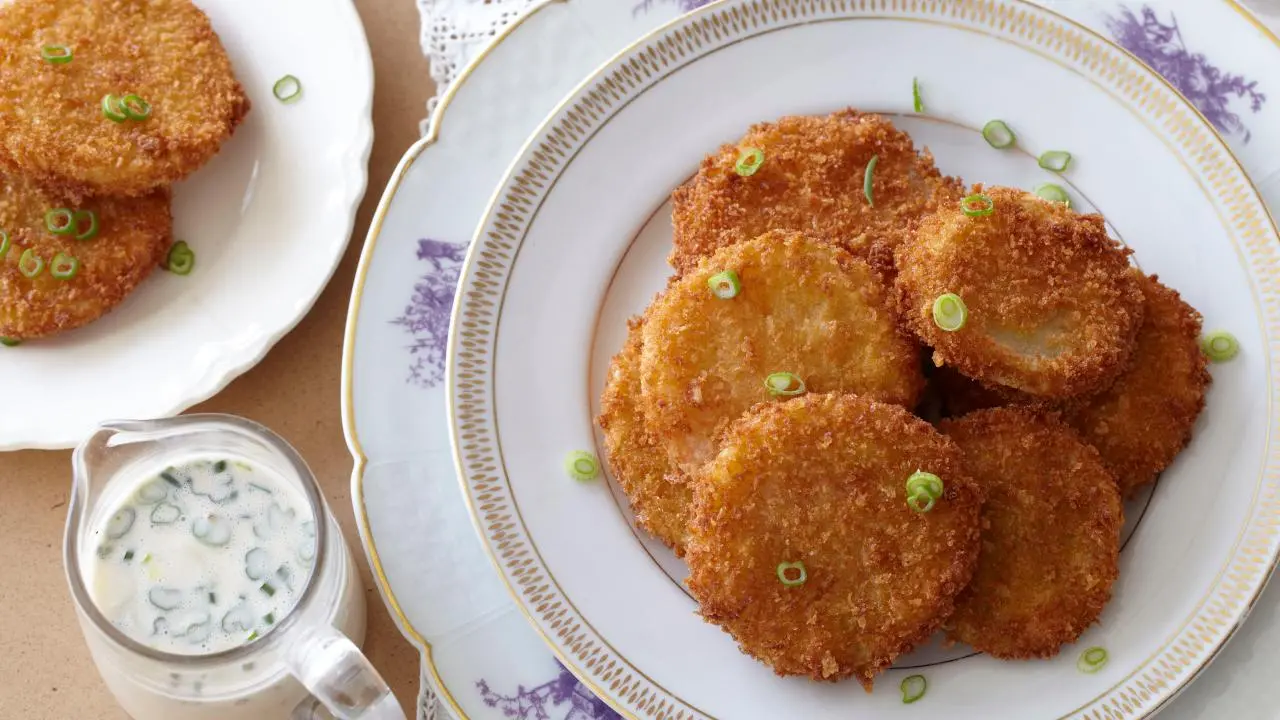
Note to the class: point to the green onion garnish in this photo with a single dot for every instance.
(268, 588)
(998, 135)
(213, 599)
(134, 107)
(220, 466)
(111, 109)
(56, 54)
(270, 618)
(252, 636)
(146, 558)
(792, 574)
(60, 221)
(64, 266)
(128, 555)
(930, 483)
(30, 264)
(4, 243)
(78, 221)
(725, 285)
(749, 161)
(916, 103)
(1055, 160)
(1220, 346)
(949, 312)
(921, 501)
(582, 465)
(287, 89)
(977, 205)
(913, 688)
(1092, 660)
(168, 477)
(1053, 193)
(10, 342)
(785, 384)
(181, 259)
(866, 179)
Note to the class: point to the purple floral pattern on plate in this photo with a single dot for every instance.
(1208, 87)
(426, 317)
(562, 694)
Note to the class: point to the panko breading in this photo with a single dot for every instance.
(811, 182)
(821, 480)
(164, 51)
(1053, 307)
(805, 307)
(1051, 542)
(659, 494)
(133, 238)
(1145, 419)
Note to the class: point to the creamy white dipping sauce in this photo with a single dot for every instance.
(202, 557)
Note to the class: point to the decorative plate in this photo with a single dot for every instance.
(548, 285)
(268, 218)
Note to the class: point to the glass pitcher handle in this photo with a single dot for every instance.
(340, 677)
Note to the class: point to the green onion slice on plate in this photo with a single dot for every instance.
(1220, 346)
(792, 574)
(725, 285)
(64, 266)
(287, 89)
(866, 179)
(949, 312)
(1092, 660)
(1055, 160)
(1053, 193)
(10, 342)
(913, 688)
(111, 109)
(181, 259)
(582, 465)
(977, 205)
(60, 221)
(84, 223)
(4, 243)
(749, 161)
(785, 384)
(917, 103)
(56, 54)
(998, 135)
(30, 264)
(134, 107)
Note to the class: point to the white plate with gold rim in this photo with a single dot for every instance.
(572, 246)
(268, 218)
(481, 659)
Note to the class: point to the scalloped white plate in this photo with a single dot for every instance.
(572, 246)
(268, 218)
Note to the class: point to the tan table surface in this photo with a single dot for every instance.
(45, 670)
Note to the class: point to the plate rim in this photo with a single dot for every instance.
(1119, 691)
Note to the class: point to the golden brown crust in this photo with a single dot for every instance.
(806, 307)
(659, 494)
(1053, 306)
(1051, 543)
(811, 182)
(162, 50)
(133, 238)
(821, 479)
(1145, 419)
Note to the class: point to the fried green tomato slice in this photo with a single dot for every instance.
(816, 488)
(810, 179)
(1051, 542)
(805, 307)
(133, 237)
(1053, 308)
(659, 494)
(164, 51)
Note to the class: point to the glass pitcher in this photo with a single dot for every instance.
(305, 666)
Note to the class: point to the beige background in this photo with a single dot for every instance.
(45, 670)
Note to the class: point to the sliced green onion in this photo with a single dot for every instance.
(220, 466)
(128, 555)
(913, 688)
(949, 312)
(10, 342)
(181, 259)
(30, 264)
(1092, 660)
(269, 618)
(269, 589)
(866, 179)
(287, 89)
(111, 109)
(916, 103)
(785, 384)
(977, 205)
(4, 243)
(60, 221)
(134, 107)
(1055, 160)
(1220, 346)
(928, 482)
(998, 135)
(725, 285)
(792, 574)
(921, 501)
(56, 54)
(252, 636)
(213, 599)
(64, 266)
(1053, 193)
(582, 465)
(749, 161)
